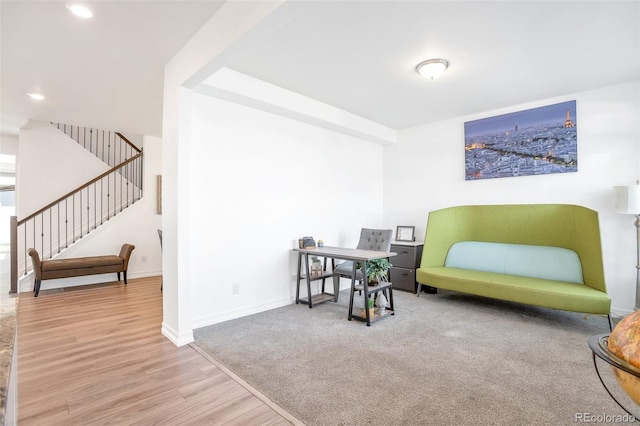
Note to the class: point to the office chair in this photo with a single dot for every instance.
(370, 239)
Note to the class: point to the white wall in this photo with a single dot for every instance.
(8, 156)
(424, 171)
(259, 182)
(196, 61)
(9, 144)
(52, 164)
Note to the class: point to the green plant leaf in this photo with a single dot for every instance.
(377, 270)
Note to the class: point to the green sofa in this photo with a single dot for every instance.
(540, 254)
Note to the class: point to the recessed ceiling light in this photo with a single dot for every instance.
(80, 10)
(36, 96)
(432, 68)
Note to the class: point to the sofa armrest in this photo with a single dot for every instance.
(125, 254)
(37, 265)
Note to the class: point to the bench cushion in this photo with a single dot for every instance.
(81, 263)
(549, 263)
(566, 296)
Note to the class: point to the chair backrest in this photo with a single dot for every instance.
(375, 239)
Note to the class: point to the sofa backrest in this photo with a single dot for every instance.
(550, 263)
(556, 225)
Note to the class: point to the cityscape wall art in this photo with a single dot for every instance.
(536, 141)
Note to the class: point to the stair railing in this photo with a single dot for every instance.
(110, 147)
(64, 221)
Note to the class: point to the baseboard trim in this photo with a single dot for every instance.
(239, 313)
(174, 337)
(620, 313)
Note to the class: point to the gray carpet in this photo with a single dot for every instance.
(445, 359)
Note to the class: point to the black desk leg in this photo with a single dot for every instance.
(298, 281)
(365, 282)
(353, 290)
(336, 281)
(306, 261)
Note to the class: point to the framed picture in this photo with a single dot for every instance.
(405, 233)
(537, 141)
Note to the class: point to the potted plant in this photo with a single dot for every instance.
(370, 303)
(378, 271)
(316, 267)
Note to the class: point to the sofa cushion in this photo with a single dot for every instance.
(545, 262)
(534, 291)
(81, 263)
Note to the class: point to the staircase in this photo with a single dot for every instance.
(61, 223)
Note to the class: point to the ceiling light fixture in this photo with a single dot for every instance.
(432, 68)
(80, 10)
(36, 96)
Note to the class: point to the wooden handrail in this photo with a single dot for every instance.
(13, 249)
(129, 142)
(92, 181)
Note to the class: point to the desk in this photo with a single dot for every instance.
(355, 255)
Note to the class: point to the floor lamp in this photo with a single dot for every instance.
(628, 202)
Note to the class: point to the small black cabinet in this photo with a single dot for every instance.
(405, 263)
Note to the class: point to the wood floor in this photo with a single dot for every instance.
(95, 356)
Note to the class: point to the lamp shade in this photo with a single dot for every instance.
(628, 199)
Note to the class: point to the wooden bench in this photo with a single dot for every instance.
(75, 267)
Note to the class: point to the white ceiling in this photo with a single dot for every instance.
(106, 72)
(355, 55)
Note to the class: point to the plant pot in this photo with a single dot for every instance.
(371, 313)
(316, 268)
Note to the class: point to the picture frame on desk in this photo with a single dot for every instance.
(306, 242)
(405, 233)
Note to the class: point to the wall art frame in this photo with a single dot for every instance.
(537, 141)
